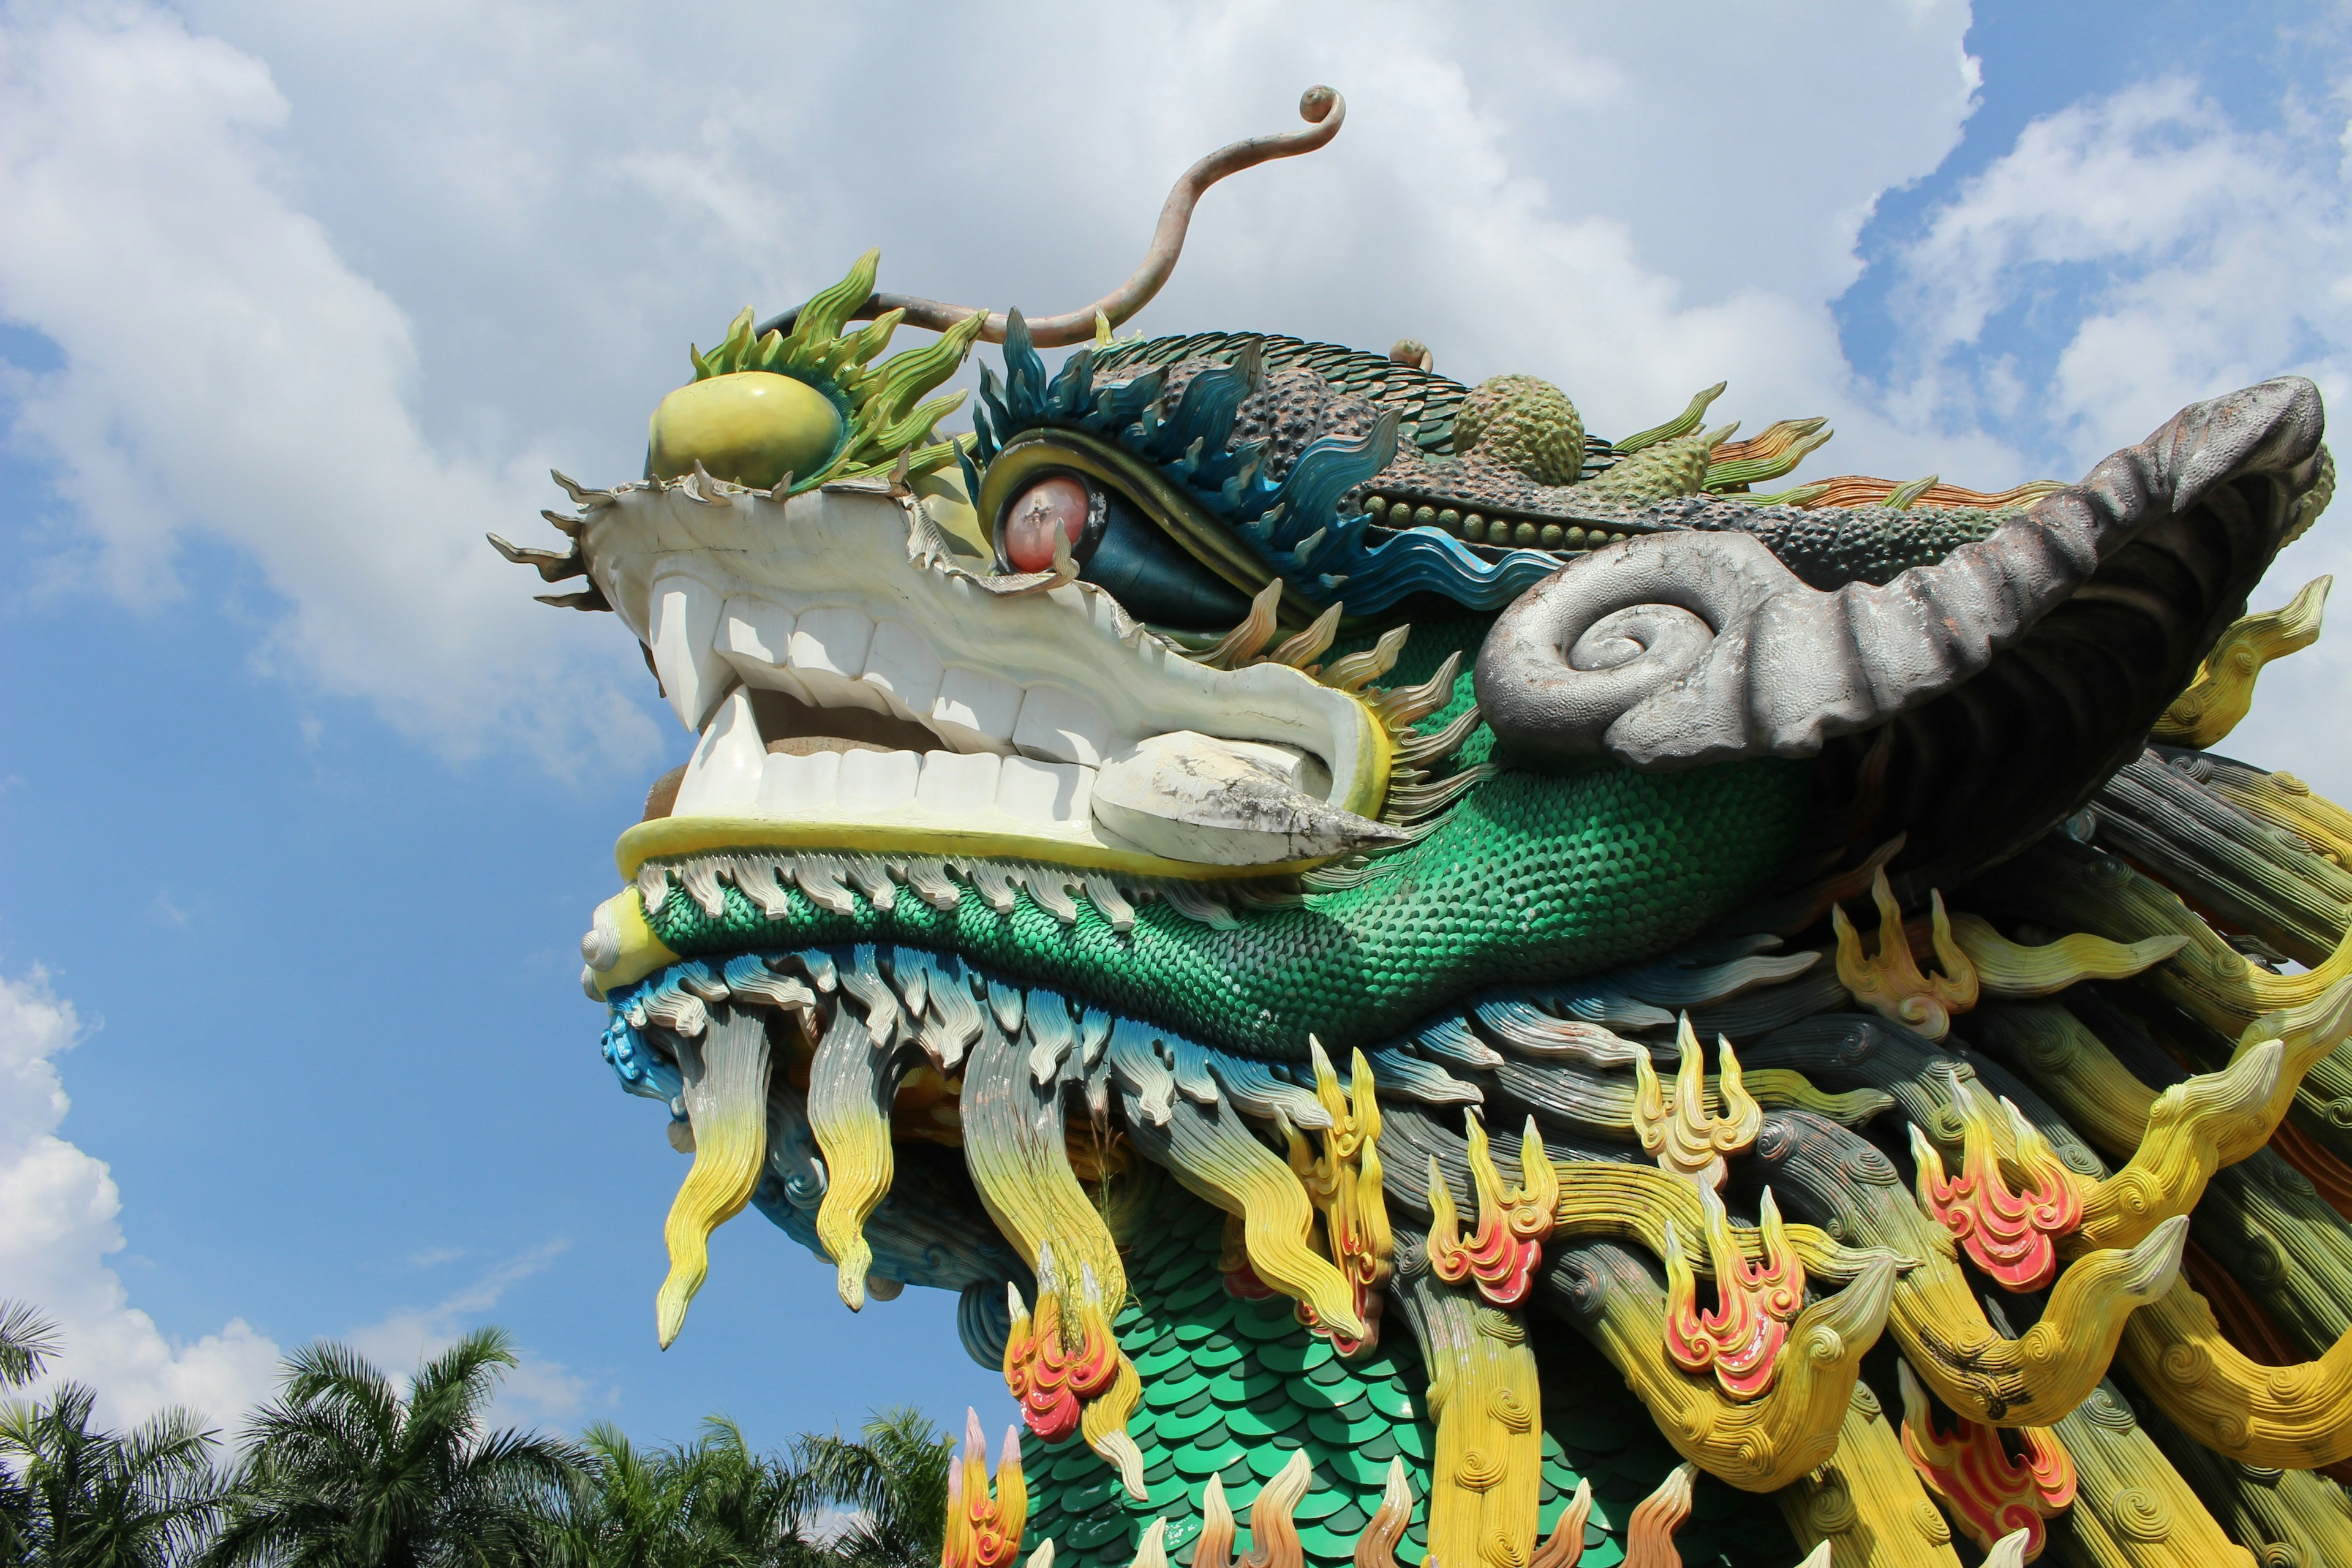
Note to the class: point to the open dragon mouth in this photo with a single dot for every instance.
(856, 688)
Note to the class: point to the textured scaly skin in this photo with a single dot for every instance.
(1531, 878)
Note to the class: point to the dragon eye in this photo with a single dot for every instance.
(1119, 542)
(1056, 502)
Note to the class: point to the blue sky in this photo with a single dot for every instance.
(302, 803)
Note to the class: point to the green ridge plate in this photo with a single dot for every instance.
(1333, 1426)
(1320, 1502)
(1351, 1519)
(1391, 1398)
(1332, 1371)
(1074, 1464)
(1269, 1319)
(1239, 1385)
(1352, 1467)
(1252, 1425)
(1183, 1298)
(1215, 1354)
(1273, 1400)
(1152, 1363)
(1180, 1396)
(1202, 1463)
(1314, 1397)
(1265, 1459)
(1183, 1428)
(1330, 1546)
(1089, 1498)
(1294, 1356)
(1093, 1532)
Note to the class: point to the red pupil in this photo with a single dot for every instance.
(1056, 501)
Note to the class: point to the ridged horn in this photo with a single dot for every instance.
(2074, 623)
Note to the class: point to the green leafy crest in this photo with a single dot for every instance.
(879, 402)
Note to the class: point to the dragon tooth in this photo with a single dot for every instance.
(950, 1023)
(1194, 904)
(868, 872)
(700, 876)
(1193, 797)
(684, 636)
(1050, 886)
(653, 887)
(758, 878)
(823, 973)
(995, 882)
(723, 777)
(581, 494)
(751, 980)
(910, 971)
(1050, 1035)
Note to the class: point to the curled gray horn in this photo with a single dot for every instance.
(1676, 649)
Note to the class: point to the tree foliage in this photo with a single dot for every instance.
(349, 1469)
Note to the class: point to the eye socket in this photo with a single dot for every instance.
(1116, 547)
(1052, 502)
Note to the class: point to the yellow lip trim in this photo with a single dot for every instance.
(666, 838)
(642, 952)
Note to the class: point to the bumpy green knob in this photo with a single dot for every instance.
(1524, 423)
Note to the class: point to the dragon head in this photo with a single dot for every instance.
(1068, 794)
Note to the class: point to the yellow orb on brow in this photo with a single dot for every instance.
(752, 427)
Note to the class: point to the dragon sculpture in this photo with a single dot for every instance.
(1445, 989)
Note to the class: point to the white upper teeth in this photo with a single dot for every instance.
(1029, 699)
(734, 774)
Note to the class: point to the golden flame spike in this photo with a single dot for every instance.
(726, 1097)
(1301, 651)
(1445, 1224)
(1349, 673)
(1214, 1549)
(1248, 640)
(1690, 1083)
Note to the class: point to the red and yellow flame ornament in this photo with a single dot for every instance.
(1740, 1338)
(1503, 1253)
(2010, 1233)
(1058, 1359)
(1344, 1184)
(1989, 1491)
(983, 1530)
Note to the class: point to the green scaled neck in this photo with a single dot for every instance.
(1235, 1387)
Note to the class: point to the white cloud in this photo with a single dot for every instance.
(227, 371)
(58, 1209)
(536, 1389)
(2171, 254)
